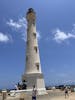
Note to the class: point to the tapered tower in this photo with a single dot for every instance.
(33, 74)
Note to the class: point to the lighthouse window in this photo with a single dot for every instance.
(35, 48)
(33, 23)
(37, 65)
(34, 35)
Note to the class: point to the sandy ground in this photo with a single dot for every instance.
(52, 95)
(71, 97)
(56, 95)
(0, 97)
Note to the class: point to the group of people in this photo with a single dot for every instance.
(34, 90)
(34, 93)
(20, 86)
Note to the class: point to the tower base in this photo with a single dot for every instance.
(37, 80)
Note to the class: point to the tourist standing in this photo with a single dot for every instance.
(16, 86)
(66, 92)
(34, 93)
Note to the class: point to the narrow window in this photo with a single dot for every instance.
(34, 35)
(35, 48)
(37, 65)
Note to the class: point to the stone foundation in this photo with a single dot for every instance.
(37, 80)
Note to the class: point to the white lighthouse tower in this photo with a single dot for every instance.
(33, 74)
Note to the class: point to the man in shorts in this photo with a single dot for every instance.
(34, 93)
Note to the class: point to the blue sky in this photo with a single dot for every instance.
(56, 35)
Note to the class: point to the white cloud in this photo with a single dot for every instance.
(60, 36)
(38, 35)
(17, 24)
(13, 24)
(4, 38)
(21, 27)
(24, 36)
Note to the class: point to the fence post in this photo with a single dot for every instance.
(4, 94)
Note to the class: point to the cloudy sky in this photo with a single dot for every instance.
(56, 38)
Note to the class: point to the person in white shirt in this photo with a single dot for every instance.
(34, 93)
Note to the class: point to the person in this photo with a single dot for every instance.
(24, 84)
(19, 86)
(34, 93)
(16, 86)
(66, 92)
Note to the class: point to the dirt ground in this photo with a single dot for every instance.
(52, 95)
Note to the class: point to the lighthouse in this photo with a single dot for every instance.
(33, 74)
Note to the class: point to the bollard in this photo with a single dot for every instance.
(4, 94)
